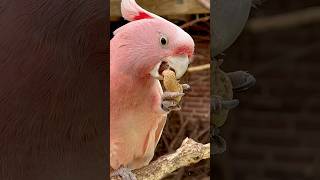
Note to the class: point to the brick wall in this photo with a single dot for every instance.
(196, 103)
(275, 132)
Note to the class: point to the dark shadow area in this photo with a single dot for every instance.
(273, 134)
(53, 90)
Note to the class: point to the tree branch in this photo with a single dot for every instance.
(188, 24)
(189, 153)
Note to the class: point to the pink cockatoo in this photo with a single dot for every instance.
(138, 105)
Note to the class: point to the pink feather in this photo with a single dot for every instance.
(136, 117)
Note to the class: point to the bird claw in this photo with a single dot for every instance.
(169, 103)
(171, 95)
(218, 103)
(186, 87)
(124, 173)
(241, 80)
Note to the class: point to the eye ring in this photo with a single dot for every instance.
(163, 40)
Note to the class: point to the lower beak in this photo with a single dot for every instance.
(178, 63)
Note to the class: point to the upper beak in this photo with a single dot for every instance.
(178, 63)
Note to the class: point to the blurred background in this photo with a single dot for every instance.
(274, 134)
(193, 119)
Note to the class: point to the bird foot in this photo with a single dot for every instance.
(186, 87)
(218, 103)
(124, 173)
(241, 80)
(169, 103)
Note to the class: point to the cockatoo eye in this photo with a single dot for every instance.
(163, 40)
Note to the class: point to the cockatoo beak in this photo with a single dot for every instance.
(177, 63)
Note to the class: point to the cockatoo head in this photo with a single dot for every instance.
(152, 41)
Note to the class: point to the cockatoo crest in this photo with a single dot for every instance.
(131, 11)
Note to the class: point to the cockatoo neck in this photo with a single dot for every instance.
(144, 81)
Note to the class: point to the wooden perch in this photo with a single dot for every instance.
(205, 3)
(163, 7)
(189, 153)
